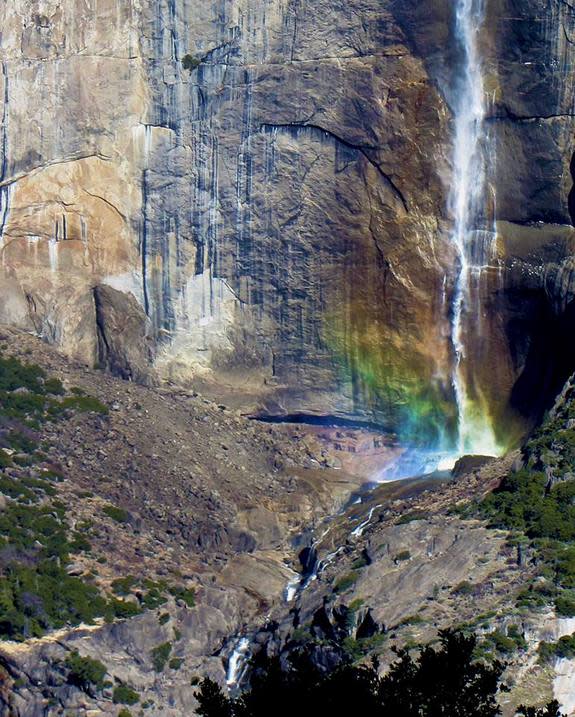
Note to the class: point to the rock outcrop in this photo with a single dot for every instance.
(268, 182)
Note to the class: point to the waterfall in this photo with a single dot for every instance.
(238, 663)
(467, 203)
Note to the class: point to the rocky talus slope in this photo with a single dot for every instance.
(194, 523)
(254, 194)
(188, 509)
(490, 551)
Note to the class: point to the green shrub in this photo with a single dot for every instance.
(123, 586)
(188, 595)
(124, 695)
(176, 663)
(22, 443)
(346, 582)
(464, 588)
(117, 514)
(190, 63)
(402, 556)
(14, 375)
(84, 404)
(301, 635)
(160, 655)
(356, 649)
(153, 599)
(501, 642)
(54, 386)
(515, 633)
(5, 459)
(409, 517)
(125, 712)
(563, 648)
(412, 620)
(565, 604)
(122, 609)
(85, 672)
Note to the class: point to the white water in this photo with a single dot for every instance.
(416, 462)
(467, 203)
(292, 587)
(358, 531)
(53, 254)
(238, 662)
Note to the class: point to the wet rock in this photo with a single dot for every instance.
(469, 464)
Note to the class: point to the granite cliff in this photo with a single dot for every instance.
(252, 195)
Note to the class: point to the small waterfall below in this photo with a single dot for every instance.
(238, 663)
(468, 200)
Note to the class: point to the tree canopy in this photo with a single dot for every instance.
(437, 682)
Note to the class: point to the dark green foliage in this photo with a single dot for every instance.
(122, 609)
(361, 562)
(84, 404)
(346, 582)
(36, 592)
(522, 503)
(187, 595)
(151, 593)
(85, 672)
(14, 375)
(190, 63)
(565, 604)
(160, 655)
(118, 514)
(54, 386)
(356, 649)
(501, 642)
(164, 618)
(175, 663)
(154, 597)
(550, 710)
(79, 543)
(35, 599)
(411, 620)
(446, 681)
(410, 517)
(125, 695)
(125, 712)
(123, 586)
(515, 633)
(402, 556)
(464, 588)
(564, 647)
(21, 443)
(213, 702)
(301, 635)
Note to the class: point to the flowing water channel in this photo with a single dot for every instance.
(473, 248)
(468, 201)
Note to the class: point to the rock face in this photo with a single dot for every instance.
(266, 183)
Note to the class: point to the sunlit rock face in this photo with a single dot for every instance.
(278, 212)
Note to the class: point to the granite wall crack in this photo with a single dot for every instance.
(363, 149)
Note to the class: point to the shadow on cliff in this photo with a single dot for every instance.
(544, 345)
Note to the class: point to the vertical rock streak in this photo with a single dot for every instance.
(4, 189)
(467, 202)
